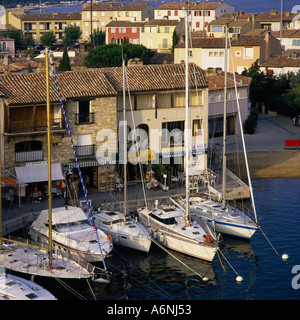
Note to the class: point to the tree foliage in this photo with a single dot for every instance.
(98, 37)
(17, 35)
(71, 35)
(64, 64)
(110, 55)
(48, 39)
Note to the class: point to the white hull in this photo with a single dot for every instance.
(16, 288)
(187, 240)
(230, 221)
(35, 262)
(124, 232)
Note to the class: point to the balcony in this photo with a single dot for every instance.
(14, 128)
(25, 156)
(84, 118)
(85, 151)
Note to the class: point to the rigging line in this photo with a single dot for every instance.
(242, 135)
(228, 262)
(91, 289)
(77, 163)
(163, 248)
(134, 130)
(150, 288)
(268, 240)
(70, 289)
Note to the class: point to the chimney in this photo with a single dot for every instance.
(7, 60)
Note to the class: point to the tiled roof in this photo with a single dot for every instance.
(216, 82)
(50, 16)
(207, 5)
(174, 6)
(275, 16)
(282, 61)
(124, 23)
(17, 65)
(155, 77)
(102, 6)
(248, 41)
(161, 22)
(31, 87)
(205, 43)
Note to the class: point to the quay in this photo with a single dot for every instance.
(15, 217)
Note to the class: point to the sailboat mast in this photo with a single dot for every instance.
(124, 141)
(49, 156)
(186, 129)
(0, 180)
(224, 125)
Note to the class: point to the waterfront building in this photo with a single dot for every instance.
(93, 103)
(157, 34)
(100, 15)
(272, 20)
(205, 52)
(201, 13)
(36, 24)
(247, 49)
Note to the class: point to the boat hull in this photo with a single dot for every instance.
(88, 256)
(191, 248)
(134, 243)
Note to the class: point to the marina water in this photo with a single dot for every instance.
(159, 276)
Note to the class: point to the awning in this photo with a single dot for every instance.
(8, 182)
(38, 173)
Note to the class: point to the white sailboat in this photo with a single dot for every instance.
(71, 231)
(123, 229)
(171, 225)
(17, 288)
(223, 217)
(32, 259)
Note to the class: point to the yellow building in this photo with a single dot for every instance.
(247, 49)
(102, 14)
(37, 24)
(157, 34)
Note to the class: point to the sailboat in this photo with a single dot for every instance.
(17, 288)
(123, 229)
(223, 217)
(171, 225)
(71, 231)
(27, 257)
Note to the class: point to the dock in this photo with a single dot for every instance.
(15, 217)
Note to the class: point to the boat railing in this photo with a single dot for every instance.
(242, 207)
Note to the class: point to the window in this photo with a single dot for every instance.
(167, 29)
(190, 53)
(113, 30)
(84, 145)
(165, 43)
(197, 24)
(158, 13)
(175, 13)
(133, 30)
(248, 53)
(169, 13)
(29, 151)
(83, 114)
(238, 53)
(296, 42)
(196, 127)
(217, 29)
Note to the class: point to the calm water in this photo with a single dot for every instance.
(159, 276)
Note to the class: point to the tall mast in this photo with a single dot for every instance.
(49, 157)
(124, 141)
(186, 128)
(224, 125)
(1, 179)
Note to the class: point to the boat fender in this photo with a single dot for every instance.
(208, 239)
(161, 237)
(154, 235)
(109, 238)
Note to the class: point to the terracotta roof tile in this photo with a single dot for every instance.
(31, 87)
(124, 23)
(204, 43)
(155, 77)
(248, 41)
(161, 22)
(216, 82)
(282, 61)
(50, 16)
(274, 16)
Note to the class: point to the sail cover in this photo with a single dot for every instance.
(38, 173)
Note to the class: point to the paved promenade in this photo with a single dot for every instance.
(266, 154)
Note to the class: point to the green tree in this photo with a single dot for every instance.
(175, 40)
(64, 64)
(110, 55)
(29, 41)
(17, 35)
(71, 35)
(48, 39)
(98, 37)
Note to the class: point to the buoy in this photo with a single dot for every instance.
(205, 279)
(285, 257)
(239, 279)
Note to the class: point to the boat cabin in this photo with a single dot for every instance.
(166, 216)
